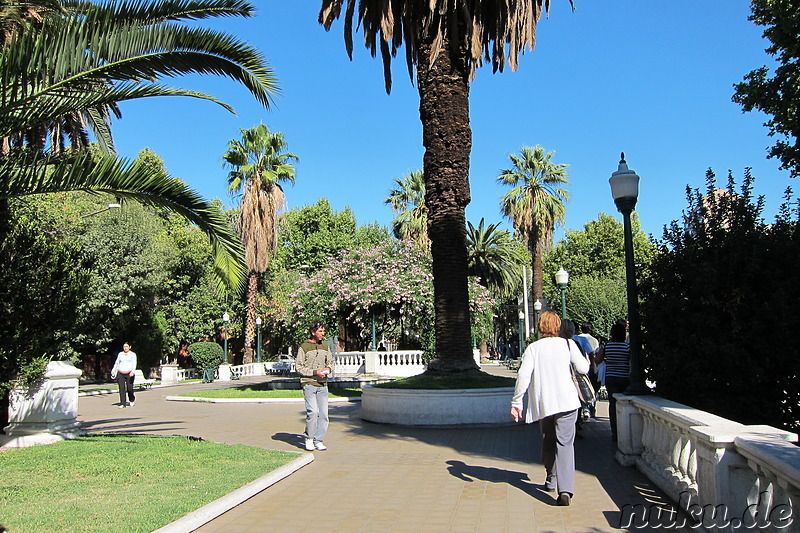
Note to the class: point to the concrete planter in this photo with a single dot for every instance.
(417, 407)
(47, 414)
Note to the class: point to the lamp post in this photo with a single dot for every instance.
(562, 280)
(374, 337)
(106, 208)
(225, 319)
(625, 190)
(258, 346)
(521, 333)
(537, 307)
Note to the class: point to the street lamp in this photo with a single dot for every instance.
(562, 280)
(106, 208)
(625, 190)
(225, 319)
(258, 346)
(374, 337)
(537, 307)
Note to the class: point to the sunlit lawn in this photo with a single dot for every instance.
(122, 482)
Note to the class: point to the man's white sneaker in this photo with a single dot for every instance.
(132, 404)
(321, 447)
(310, 444)
(122, 406)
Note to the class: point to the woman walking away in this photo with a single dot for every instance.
(617, 355)
(123, 372)
(544, 374)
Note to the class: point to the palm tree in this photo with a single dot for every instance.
(408, 203)
(74, 68)
(494, 258)
(259, 162)
(445, 41)
(536, 203)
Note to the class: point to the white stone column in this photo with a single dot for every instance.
(169, 374)
(370, 362)
(629, 431)
(225, 372)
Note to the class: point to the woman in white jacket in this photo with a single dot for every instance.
(552, 401)
(123, 372)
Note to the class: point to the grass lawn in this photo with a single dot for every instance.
(122, 482)
(468, 381)
(262, 390)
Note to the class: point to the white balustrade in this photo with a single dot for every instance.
(751, 473)
(396, 363)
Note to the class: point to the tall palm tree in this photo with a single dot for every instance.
(408, 203)
(494, 258)
(260, 163)
(81, 62)
(445, 40)
(536, 203)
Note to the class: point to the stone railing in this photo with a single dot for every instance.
(397, 363)
(726, 475)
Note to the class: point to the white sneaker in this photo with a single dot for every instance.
(310, 444)
(132, 404)
(320, 446)
(122, 406)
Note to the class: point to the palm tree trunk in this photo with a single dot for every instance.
(250, 318)
(447, 137)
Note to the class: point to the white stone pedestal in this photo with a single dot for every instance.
(48, 414)
(169, 374)
(224, 372)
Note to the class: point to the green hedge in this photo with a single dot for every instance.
(206, 354)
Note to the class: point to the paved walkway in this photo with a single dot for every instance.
(377, 478)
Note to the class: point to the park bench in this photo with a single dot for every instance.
(140, 381)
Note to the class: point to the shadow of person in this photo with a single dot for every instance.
(517, 480)
(294, 439)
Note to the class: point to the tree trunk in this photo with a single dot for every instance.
(447, 137)
(250, 318)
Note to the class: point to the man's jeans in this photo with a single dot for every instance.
(316, 411)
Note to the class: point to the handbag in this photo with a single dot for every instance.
(582, 384)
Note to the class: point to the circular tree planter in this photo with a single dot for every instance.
(422, 407)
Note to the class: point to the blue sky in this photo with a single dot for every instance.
(652, 79)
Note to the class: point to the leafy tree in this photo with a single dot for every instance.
(595, 260)
(81, 61)
(408, 204)
(42, 280)
(494, 258)
(445, 43)
(129, 266)
(311, 236)
(778, 94)
(535, 204)
(391, 283)
(721, 291)
(259, 163)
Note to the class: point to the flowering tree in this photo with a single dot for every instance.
(391, 282)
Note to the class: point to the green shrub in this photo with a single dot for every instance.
(206, 354)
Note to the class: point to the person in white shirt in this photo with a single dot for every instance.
(553, 401)
(123, 372)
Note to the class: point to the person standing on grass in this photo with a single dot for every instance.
(314, 364)
(123, 372)
(553, 401)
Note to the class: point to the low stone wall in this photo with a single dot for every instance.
(712, 465)
(414, 407)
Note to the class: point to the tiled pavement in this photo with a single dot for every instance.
(377, 478)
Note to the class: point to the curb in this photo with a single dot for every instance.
(209, 512)
(254, 400)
